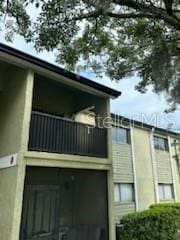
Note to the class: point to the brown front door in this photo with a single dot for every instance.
(40, 213)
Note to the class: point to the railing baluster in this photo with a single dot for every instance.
(49, 133)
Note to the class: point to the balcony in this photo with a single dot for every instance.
(53, 134)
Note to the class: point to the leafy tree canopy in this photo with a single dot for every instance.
(116, 37)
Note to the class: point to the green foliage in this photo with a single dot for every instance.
(160, 222)
(116, 38)
(15, 18)
(165, 205)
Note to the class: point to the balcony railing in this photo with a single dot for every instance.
(49, 133)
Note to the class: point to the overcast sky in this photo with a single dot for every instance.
(131, 104)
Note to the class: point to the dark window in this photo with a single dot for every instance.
(118, 230)
(161, 143)
(120, 135)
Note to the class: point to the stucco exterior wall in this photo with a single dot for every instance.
(15, 108)
(167, 169)
(144, 171)
(176, 168)
(151, 167)
(12, 108)
(14, 125)
(7, 193)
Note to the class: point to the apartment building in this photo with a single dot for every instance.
(146, 166)
(55, 168)
(63, 174)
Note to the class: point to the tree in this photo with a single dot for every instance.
(116, 37)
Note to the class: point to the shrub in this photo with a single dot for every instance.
(166, 205)
(160, 222)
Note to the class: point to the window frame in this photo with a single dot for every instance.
(115, 135)
(157, 143)
(119, 184)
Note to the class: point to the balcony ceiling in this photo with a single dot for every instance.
(27, 60)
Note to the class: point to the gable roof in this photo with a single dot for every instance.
(58, 70)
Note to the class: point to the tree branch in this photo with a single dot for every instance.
(93, 14)
(138, 6)
(157, 12)
(129, 15)
(169, 6)
(96, 14)
(142, 11)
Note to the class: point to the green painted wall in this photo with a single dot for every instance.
(144, 171)
(11, 123)
(15, 104)
(8, 179)
(176, 168)
(11, 108)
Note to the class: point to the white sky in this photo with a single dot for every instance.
(131, 104)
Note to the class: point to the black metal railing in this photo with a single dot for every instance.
(49, 133)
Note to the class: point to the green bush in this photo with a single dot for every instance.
(160, 222)
(165, 205)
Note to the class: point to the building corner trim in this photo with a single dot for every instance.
(172, 169)
(154, 167)
(134, 167)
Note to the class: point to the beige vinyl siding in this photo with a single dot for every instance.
(122, 163)
(123, 209)
(122, 172)
(164, 171)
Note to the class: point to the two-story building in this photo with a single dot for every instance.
(146, 165)
(56, 178)
(68, 168)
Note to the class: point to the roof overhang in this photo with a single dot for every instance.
(40, 66)
(131, 122)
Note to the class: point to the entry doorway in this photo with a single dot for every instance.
(64, 204)
(41, 212)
